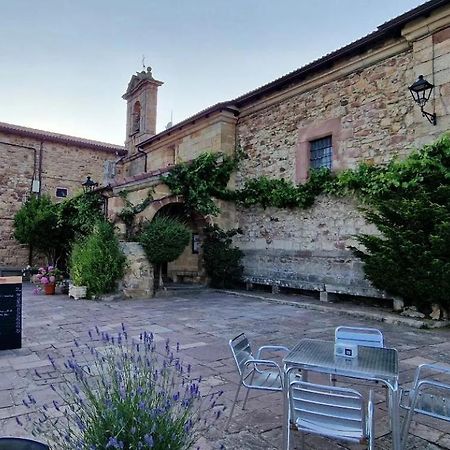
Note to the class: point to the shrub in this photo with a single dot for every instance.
(411, 208)
(124, 394)
(164, 239)
(97, 261)
(222, 260)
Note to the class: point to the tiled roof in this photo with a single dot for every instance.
(62, 138)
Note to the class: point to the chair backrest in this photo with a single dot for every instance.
(9, 443)
(367, 337)
(430, 394)
(242, 352)
(327, 410)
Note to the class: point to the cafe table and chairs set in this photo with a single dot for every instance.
(339, 412)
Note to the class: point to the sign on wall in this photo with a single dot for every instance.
(10, 312)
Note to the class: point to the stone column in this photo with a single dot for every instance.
(138, 279)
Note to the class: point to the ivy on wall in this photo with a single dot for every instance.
(408, 201)
(129, 212)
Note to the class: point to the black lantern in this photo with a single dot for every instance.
(89, 185)
(421, 90)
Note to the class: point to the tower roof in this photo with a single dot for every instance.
(139, 80)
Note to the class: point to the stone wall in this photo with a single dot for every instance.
(372, 118)
(213, 134)
(62, 166)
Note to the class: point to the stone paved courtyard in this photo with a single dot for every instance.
(203, 323)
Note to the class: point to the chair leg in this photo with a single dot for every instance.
(245, 399)
(232, 408)
(248, 390)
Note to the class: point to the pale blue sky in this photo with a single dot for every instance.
(64, 64)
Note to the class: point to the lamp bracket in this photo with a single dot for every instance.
(431, 117)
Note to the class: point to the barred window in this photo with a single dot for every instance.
(321, 153)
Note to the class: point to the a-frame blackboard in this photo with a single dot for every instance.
(10, 312)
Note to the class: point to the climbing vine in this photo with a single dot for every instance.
(408, 201)
(130, 211)
(202, 179)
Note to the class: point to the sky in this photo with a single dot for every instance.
(65, 64)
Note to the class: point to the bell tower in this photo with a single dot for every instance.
(142, 98)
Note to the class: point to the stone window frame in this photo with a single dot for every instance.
(61, 189)
(306, 134)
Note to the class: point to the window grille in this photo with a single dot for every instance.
(321, 153)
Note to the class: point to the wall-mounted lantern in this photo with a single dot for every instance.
(421, 90)
(89, 185)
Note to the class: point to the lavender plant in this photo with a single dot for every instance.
(121, 393)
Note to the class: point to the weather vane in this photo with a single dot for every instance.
(143, 62)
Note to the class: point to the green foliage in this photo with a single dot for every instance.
(281, 193)
(222, 260)
(164, 239)
(198, 181)
(52, 228)
(410, 206)
(130, 211)
(123, 393)
(36, 224)
(97, 261)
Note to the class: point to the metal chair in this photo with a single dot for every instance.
(255, 373)
(429, 396)
(333, 412)
(10, 443)
(367, 337)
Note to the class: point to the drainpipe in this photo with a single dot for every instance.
(145, 160)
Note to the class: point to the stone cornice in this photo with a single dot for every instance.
(423, 27)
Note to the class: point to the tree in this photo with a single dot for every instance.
(222, 260)
(411, 258)
(164, 239)
(36, 225)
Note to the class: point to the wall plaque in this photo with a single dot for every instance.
(10, 312)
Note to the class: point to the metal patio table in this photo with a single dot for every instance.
(378, 364)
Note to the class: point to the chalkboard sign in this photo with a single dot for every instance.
(10, 312)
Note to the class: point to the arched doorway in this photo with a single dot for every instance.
(188, 267)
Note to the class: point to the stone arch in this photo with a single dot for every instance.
(189, 266)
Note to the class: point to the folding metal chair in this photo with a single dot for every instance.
(367, 337)
(429, 395)
(333, 412)
(255, 373)
(10, 443)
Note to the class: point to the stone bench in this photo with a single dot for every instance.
(326, 291)
(179, 275)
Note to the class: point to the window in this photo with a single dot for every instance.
(321, 153)
(61, 192)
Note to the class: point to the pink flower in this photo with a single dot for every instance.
(50, 268)
(52, 279)
(44, 280)
(39, 276)
(41, 269)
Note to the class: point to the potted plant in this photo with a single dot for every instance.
(47, 277)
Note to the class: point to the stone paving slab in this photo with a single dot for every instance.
(203, 323)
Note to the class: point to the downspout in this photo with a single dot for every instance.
(145, 155)
(41, 153)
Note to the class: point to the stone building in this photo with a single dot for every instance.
(35, 162)
(350, 106)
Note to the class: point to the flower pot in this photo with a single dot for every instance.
(77, 292)
(49, 288)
